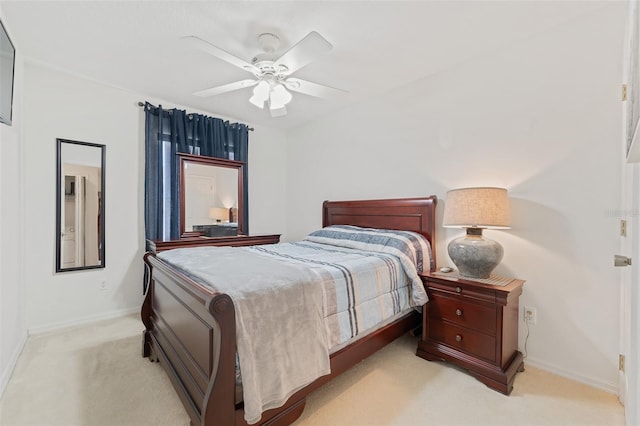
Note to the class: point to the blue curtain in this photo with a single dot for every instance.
(239, 134)
(172, 131)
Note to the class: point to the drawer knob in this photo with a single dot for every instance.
(458, 338)
(459, 312)
(458, 289)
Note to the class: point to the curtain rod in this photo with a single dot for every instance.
(141, 104)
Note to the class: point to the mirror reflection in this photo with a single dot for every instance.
(210, 196)
(80, 206)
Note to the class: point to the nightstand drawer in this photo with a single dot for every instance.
(464, 339)
(462, 290)
(460, 312)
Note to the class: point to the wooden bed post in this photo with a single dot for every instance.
(219, 401)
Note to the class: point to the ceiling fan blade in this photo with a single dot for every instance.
(313, 89)
(306, 50)
(209, 48)
(226, 88)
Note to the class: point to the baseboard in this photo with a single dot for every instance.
(82, 321)
(591, 381)
(11, 366)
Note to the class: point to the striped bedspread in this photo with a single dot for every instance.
(367, 275)
(412, 250)
(362, 278)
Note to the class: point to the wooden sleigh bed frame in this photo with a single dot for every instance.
(190, 329)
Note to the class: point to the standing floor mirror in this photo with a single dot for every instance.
(79, 205)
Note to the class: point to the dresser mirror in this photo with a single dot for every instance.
(79, 205)
(211, 197)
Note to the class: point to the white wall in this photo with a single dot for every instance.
(540, 117)
(267, 180)
(60, 105)
(13, 325)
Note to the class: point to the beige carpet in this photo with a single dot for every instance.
(94, 375)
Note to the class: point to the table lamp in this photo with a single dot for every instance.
(219, 214)
(476, 209)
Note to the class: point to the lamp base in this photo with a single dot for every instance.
(475, 256)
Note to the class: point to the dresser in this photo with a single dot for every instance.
(234, 241)
(473, 325)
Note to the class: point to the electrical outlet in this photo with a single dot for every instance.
(530, 315)
(102, 285)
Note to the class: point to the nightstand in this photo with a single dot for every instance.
(473, 325)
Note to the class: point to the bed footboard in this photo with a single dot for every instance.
(190, 330)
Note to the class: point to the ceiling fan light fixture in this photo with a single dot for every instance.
(260, 94)
(279, 97)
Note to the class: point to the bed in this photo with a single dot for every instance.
(191, 329)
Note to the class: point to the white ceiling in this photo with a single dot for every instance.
(378, 45)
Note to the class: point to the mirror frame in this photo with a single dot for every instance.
(59, 200)
(210, 161)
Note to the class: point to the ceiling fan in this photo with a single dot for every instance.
(272, 75)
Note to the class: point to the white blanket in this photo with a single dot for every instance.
(284, 324)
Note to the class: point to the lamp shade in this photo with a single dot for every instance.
(477, 208)
(279, 97)
(219, 214)
(260, 94)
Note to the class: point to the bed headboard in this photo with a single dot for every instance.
(406, 214)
